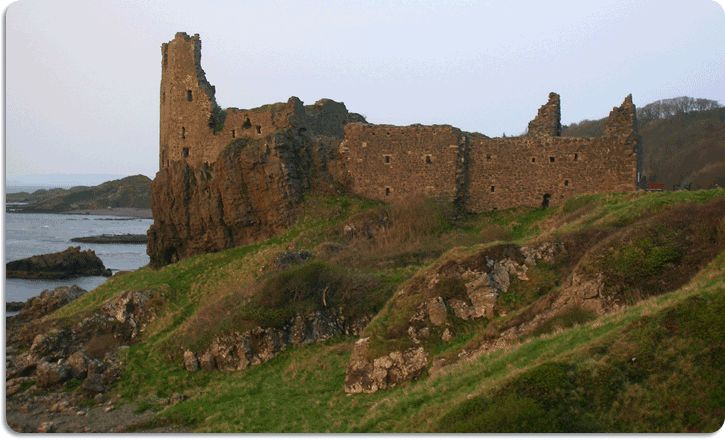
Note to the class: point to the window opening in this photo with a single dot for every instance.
(488, 158)
(533, 159)
(387, 159)
(234, 133)
(566, 183)
(188, 95)
(259, 129)
(183, 133)
(428, 159)
(576, 157)
(247, 124)
(185, 152)
(387, 192)
(493, 188)
(552, 159)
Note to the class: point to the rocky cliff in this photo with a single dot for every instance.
(252, 189)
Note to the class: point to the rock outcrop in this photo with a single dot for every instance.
(85, 351)
(249, 193)
(48, 301)
(465, 287)
(70, 263)
(238, 351)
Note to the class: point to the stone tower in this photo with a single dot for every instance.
(189, 112)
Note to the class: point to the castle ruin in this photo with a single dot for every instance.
(384, 162)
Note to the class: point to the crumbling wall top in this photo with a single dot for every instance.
(548, 120)
(622, 120)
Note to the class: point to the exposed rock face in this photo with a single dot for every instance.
(484, 276)
(248, 194)
(70, 263)
(365, 376)
(48, 301)
(238, 351)
(84, 351)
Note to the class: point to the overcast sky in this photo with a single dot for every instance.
(82, 76)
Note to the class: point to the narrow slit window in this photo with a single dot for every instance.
(183, 133)
(387, 192)
(566, 183)
(185, 152)
(576, 157)
(188, 96)
(387, 159)
(493, 188)
(234, 133)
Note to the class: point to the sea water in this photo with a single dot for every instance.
(34, 234)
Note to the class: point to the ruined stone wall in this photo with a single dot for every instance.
(231, 177)
(187, 103)
(548, 120)
(193, 128)
(396, 163)
(508, 172)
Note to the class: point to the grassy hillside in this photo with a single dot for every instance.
(654, 365)
(686, 147)
(129, 192)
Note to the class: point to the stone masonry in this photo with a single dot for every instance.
(385, 162)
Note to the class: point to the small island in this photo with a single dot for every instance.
(112, 239)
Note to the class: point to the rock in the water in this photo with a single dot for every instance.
(70, 263)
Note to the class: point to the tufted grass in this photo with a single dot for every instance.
(577, 374)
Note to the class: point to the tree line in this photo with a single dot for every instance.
(665, 108)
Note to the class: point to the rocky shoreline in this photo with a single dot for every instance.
(60, 379)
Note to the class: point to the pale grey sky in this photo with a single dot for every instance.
(82, 76)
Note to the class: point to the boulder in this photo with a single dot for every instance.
(48, 374)
(70, 263)
(78, 363)
(94, 383)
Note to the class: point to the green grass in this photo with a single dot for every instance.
(574, 373)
